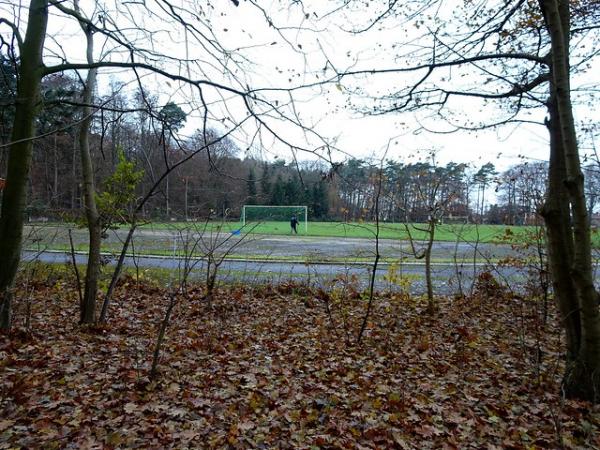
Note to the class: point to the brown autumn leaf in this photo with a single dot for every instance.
(265, 368)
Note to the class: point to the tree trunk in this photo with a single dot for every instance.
(74, 176)
(167, 198)
(161, 335)
(88, 312)
(556, 214)
(582, 379)
(483, 202)
(31, 71)
(186, 181)
(428, 280)
(116, 273)
(55, 186)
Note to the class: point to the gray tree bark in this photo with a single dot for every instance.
(88, 311)
(582, 379)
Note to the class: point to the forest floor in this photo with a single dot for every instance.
(280, 367)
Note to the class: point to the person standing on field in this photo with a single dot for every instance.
(294, 224)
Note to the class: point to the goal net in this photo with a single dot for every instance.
(267, 213)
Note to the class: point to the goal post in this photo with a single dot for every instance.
(274, 213)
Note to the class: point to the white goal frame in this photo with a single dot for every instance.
(304, 207)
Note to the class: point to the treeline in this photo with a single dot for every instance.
(455, 192)
(187, 178)
(204, 174)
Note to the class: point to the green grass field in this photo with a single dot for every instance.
(469, 232)
(444, 232)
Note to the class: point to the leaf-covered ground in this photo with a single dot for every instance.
(280, 368)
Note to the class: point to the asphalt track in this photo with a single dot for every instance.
(319, 261)
(303, 248)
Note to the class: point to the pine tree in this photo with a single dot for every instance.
(251, 188)
(320, 200)
(292, 191)
(278, 193)
(265, 183)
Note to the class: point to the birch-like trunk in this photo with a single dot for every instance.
(428, 280)
(88, 310)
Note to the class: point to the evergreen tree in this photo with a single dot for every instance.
(251, 187)
(278, 194)
(293, 193)
(320, 200)
(265, 183)
(172, 116)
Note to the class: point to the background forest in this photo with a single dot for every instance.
(224, 180)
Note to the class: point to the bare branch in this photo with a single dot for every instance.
(15, 31)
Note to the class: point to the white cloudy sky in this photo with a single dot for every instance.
(293, 57)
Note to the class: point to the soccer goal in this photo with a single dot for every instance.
(269, 213)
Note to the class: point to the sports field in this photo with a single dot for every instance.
(444, 232)
(470, 233)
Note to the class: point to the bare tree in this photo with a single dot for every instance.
(121, 27)
(516, 54)
(199, 243)
(436, 200)
(373, 277)
(88, 304)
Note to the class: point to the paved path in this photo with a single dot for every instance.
(309, 248)
(445, 276)
(314, 259)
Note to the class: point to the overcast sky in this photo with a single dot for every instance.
(354, 133)
(295, 56)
